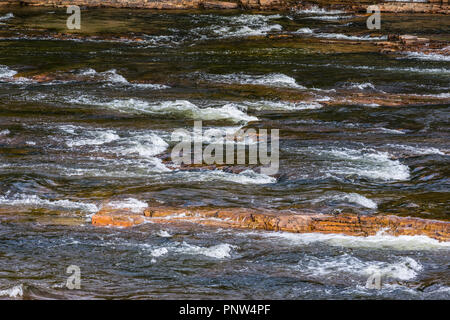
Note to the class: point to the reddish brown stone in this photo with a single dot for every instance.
(298, 222)
(108, 216)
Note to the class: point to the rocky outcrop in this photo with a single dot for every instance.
(220, 5)
(411, 43)
(431, 6)
(288, 221)
(110, 216)
(161, 4)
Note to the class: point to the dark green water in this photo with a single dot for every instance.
(87, 117)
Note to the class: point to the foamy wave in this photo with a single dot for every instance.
(352, 198)
(341, 36)
(132, 204)
(120, 168)
(427, 57)
(405, 268)
(6, 72)
(444, 95)
(243, 25)
(4, 132)
(282, 105)
(164, 234)
(417, 150)
(362, 86)
(269, 80)
(36, 202)
(219, 251)
(145, 145)
(245, 177)
(317, 10)
(334, 18)
(112, 77)
(365, 163)
(95, 137)
(338, 36)
(390, 131)
(418, 70)
(158, 252)
(378, 241)
(14, 292)
(181, 108)
(7, 16)
(304, 30)
(247, 31)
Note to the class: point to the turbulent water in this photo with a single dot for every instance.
(87, 117)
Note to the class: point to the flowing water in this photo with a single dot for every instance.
(86, 117)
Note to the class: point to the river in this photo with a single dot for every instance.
(86, 117)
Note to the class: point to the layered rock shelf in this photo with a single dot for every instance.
(430, 6)
(287, 221)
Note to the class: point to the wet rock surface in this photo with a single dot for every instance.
(288, 221)
(431, 6)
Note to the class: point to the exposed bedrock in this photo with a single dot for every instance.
(430, 6)
(288, 221)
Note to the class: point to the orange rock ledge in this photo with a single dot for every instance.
(287, 221)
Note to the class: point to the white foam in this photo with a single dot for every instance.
(362, 86)
(417, 150)
(97, 137)
(379, 241)
(330, 17)
(427, 57)
(364, 162)
(6, 72)
(282, 105)
(405, 268)
(341, 36)
(113, 77)
(418, 70)
(144, 145)
(390, 131)
(5, 132)
(164, 234)
(158, 252)
(228, 32)
(352, 198)
(317, 10)
(245, 177)
(132, 204)
(277, 80)
(438, 95)
(7, 16)
(244, 25)
(36, 202)
(181, 108)
(219, 251)
(304, 30)
(14, 292)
